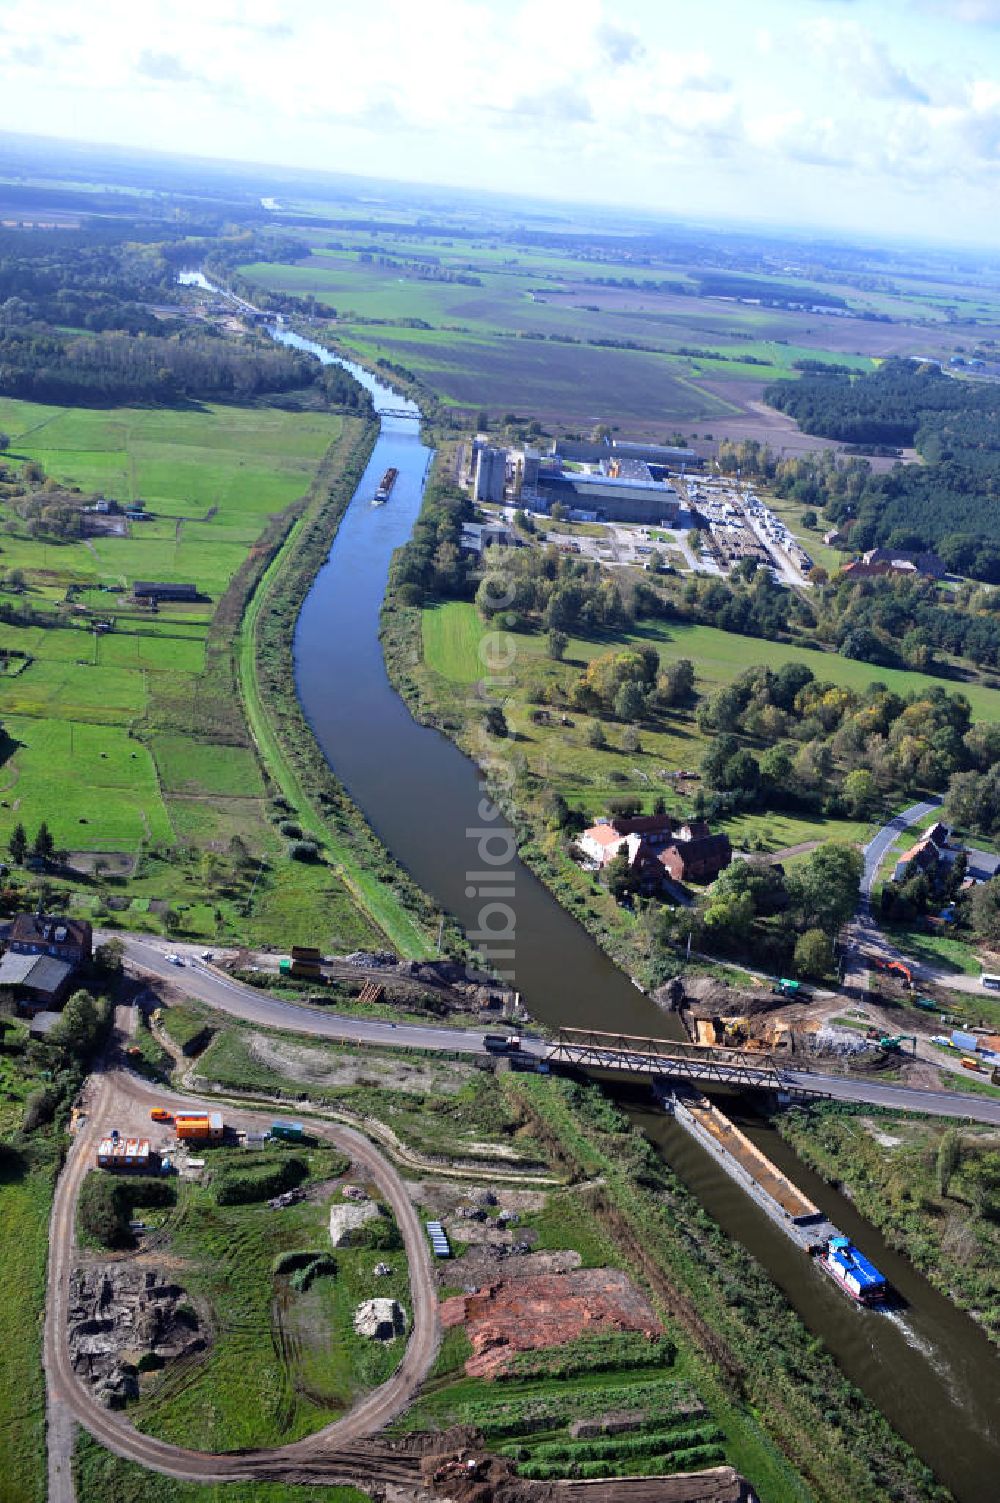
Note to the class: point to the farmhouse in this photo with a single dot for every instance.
(38, 982)
(657, 852)
(61, 938)
(43, 956)
(152, 592)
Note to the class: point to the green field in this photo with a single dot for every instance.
(131, 743)
(452, 633)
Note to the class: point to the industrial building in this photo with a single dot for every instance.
(610, 498)
(589, 451)
(491, 474)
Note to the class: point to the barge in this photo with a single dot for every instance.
(386, 484)
(782, 1201)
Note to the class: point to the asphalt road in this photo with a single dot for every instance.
(116, 1097)
(876, 850)
(250, 1005)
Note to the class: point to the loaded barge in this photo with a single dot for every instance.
(385, 487)
(776, 1196)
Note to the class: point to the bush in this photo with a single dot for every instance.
(262, 1180)
(303, 850)
(290, 828)
(107, 1203)
(382, 1234)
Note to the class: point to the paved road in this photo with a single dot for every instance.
(254, 1006)
(877, 849)
(116, 1097)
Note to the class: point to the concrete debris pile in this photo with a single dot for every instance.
(125, 1320)
(838, 1041)
(511, 1316)
(348, 1219)
(380, 1319)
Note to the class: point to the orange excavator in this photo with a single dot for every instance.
(893, 967)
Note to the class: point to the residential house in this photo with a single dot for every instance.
(66, 939)
(43, 956)
(658, 851)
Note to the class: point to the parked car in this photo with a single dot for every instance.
(174, 959)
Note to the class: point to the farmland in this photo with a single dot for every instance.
(128, 741)
(570, 337)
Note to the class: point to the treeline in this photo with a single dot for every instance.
(900, 620)
(952, 502)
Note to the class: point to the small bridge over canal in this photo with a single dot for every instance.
(667, 1059)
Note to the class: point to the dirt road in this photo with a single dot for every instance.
(113, 1096)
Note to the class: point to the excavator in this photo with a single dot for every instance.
(894, 968)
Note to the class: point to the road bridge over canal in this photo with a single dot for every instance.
(703, 1066)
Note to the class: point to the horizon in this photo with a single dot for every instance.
(836, 115)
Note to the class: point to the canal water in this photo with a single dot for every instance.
(927, 1367)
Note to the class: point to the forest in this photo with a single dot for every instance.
(77, 326)
(951, 502)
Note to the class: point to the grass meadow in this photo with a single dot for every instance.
(131, 744)
(561, 756)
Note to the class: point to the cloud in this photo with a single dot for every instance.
(618, 45)
(862, 61)
(972, 12)
(165, 67)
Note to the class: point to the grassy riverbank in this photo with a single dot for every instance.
(895, 1170)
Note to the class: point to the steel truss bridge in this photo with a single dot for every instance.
(698, 1064)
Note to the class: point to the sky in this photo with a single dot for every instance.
(847, 114)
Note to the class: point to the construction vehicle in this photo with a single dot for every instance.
(926, 1004)
(897, 1040)
(160, 1114)
(782, 987)
(893, 968)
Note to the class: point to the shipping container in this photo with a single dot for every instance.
(966, 1041)
(291, 1132)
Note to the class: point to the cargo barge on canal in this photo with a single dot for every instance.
(385, 487)
(777, 1197)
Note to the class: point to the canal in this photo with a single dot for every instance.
(928, 1367)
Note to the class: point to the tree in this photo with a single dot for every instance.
(813, 954)
(110, 955)
(810, 519)
(18, 844)
(621, 878)
(823, 891)
(43, 845)
(495, 721)
(949, 1156)
(985, 910)
(861, 792)
(595, 735)
(630, 740)
(556, 644)
(79, 1027)
(630, 702)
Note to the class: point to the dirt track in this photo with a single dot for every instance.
(331, 1455)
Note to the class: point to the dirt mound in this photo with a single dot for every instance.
(546, 1311)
